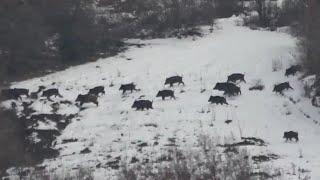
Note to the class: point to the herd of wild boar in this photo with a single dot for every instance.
(229, 88)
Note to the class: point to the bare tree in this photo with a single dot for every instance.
(311, 42)
(267, 12)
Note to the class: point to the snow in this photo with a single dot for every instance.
(110, 128)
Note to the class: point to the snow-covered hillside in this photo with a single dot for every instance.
(114, 129)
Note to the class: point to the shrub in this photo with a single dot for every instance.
(38, 173)
(204, 162)
(276, 65)
(257, 85)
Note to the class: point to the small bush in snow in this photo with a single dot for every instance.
(308, 90)
(257, 85)
(276, 65)
(315, 101)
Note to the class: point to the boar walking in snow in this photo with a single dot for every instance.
(87, 98)
(291, 135)
(278, 88)
(97, 90)
(142, 104)
(236, 77)
(217, 100)
(174, 79)
(166, 93)
(128, 87)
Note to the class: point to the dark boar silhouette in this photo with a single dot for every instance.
(21, 92)
(217, 100)
(278, 88)
(228, 88)
(67, 102)
(87, 98)
(34, 95)
(289, 135)
(221, 86)
(51, 92)
(166, 93)
(41, 88)
(236, 77)
(232, 91)
(128, 87)
(142, 104)
(97, 90)
(174, 79)
(14, 93)
(292, 70)
(256, 87)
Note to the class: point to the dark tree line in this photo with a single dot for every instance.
(311, 37)
(161, 18)
(38, 35)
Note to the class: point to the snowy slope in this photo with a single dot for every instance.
(110, 129)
